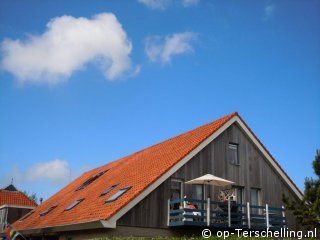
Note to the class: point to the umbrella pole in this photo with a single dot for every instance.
(204, 198)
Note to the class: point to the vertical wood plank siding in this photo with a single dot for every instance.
(253, 171)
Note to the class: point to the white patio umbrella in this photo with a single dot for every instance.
(210, 179)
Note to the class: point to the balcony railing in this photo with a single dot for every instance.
(228, 214)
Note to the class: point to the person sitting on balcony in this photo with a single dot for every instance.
(195, 213)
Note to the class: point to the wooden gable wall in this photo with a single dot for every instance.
(253, 171)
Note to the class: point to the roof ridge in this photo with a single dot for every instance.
(197, 128)
(15, 198)
(123, 158)
(154, 160)
(140, 170)
(265, 148)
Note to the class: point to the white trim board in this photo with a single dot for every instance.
(67, 227)
(269, 158)
(171, 171)
(15, 206)
(202, 145)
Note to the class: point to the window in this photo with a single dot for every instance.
(197, 191)
(255, 199)
(90, 180)
(47, 211)
(255, 196)
(118, 194)
(176, 191)
(238, 191)
(3, 219)
(233, 154)
(108, 190)
(74, 204)
(176, 188)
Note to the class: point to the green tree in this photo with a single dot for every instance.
(307, 210)
(32, 196)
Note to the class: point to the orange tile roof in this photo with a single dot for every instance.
(15, 198)
(138, 170)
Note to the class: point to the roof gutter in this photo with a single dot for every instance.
(16, 206)
(204, 143)
(68, 227)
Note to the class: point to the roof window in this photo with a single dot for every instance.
(118, 194)
(47, 211)
(74, 204)
(90, 180)
(108, 190)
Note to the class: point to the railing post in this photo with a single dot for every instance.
(184, 205)
(248, 215)
(168, 220)
(229, 212)
(208, 212)
(267, 216)
(283, 215)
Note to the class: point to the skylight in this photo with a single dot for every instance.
(47, 211)
(90, 180)
(74, 204)
(108, 190)
(118, 194)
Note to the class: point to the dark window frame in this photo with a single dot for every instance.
(44, 213)
(193, 190)
(258, 191)
(180, 181)
(242, 191)
(231, 147)
(74, 204)
(105, 192)
(90, 180)
(115, 196)
(174, 194)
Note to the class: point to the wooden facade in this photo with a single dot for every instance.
(10, 214)
(13, 205)
(231, 152)
(253, 171)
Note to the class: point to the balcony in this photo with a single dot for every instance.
(228, 214)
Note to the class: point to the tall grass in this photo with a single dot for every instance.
(178, 238)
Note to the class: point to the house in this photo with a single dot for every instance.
(13, 205)
(143, 194)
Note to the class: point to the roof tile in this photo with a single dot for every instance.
(15, 198)
(138, 170)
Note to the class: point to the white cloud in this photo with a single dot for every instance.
(190, 3)
(67, 45)
(44, 178)
(155, 4)
(269, 10)
(53, 171)
(162, 49)
(163, 4)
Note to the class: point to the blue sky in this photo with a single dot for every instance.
(86, 82)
